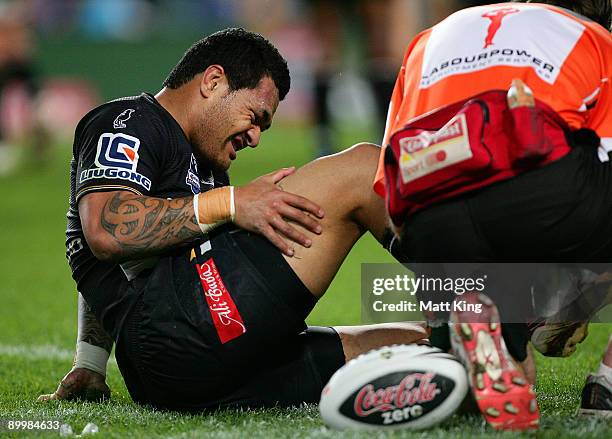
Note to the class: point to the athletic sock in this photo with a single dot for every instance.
(605, 371)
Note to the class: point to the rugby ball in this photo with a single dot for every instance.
(400, 386)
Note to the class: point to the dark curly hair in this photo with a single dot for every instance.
(599, 11)
(245, 56)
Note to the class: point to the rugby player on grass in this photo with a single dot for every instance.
(562, 50)
(204, 287)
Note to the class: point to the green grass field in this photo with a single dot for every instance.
(38, 326)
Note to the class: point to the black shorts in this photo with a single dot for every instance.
(558, 213)
(223, 329)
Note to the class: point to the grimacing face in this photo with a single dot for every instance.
(233, 121)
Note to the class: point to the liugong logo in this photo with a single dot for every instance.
(116, 158)
(117, 151)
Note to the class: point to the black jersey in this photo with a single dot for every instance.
(130, 144)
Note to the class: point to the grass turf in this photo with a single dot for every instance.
(38, 318)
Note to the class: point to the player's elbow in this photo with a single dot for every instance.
(105, 255)
(103, 247)
(102, 243)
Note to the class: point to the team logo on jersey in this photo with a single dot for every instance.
(117, 151)
(192, 179)
(123, 117)
(496, 18)
(116, 158)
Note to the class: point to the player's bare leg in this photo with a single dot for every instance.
(359, 339)
(342, 185)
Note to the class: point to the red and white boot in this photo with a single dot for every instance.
(503, 394)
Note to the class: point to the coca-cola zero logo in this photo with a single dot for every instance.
(398, 397)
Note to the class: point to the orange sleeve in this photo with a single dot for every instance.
(599, 117)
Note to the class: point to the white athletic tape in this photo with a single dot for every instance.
(196, 209)
(91, 357)
(232, 205)
(206, 227)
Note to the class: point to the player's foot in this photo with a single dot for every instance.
(559, 334)
(596, 397)
(503, 394)
(558, 339)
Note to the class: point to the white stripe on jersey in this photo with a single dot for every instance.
(604, 148)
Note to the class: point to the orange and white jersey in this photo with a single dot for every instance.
(563, 57)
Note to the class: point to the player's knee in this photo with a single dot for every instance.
(363, 159)
(364, 151)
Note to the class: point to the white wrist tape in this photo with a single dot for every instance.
(232, 205)
(196, 210)
(91, 357)
(219, 210)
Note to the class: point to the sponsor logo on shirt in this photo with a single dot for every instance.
(117, 151)
(496, 16)
(192, 179)
(116, 158)
(226, 317)
(512, 38)
(115, 174)
(429, 151)
(123, 117)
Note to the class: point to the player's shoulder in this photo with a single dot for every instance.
(117, 114)
(587, 22)
(594, 31)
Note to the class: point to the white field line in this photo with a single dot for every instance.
(38, 352)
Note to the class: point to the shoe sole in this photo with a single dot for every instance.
(503, 394)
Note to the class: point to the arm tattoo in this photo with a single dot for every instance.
(90, 330)
(143, 226)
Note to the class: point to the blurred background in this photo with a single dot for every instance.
(60, 58)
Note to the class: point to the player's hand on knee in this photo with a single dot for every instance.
(80, 384)
(263, 207)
